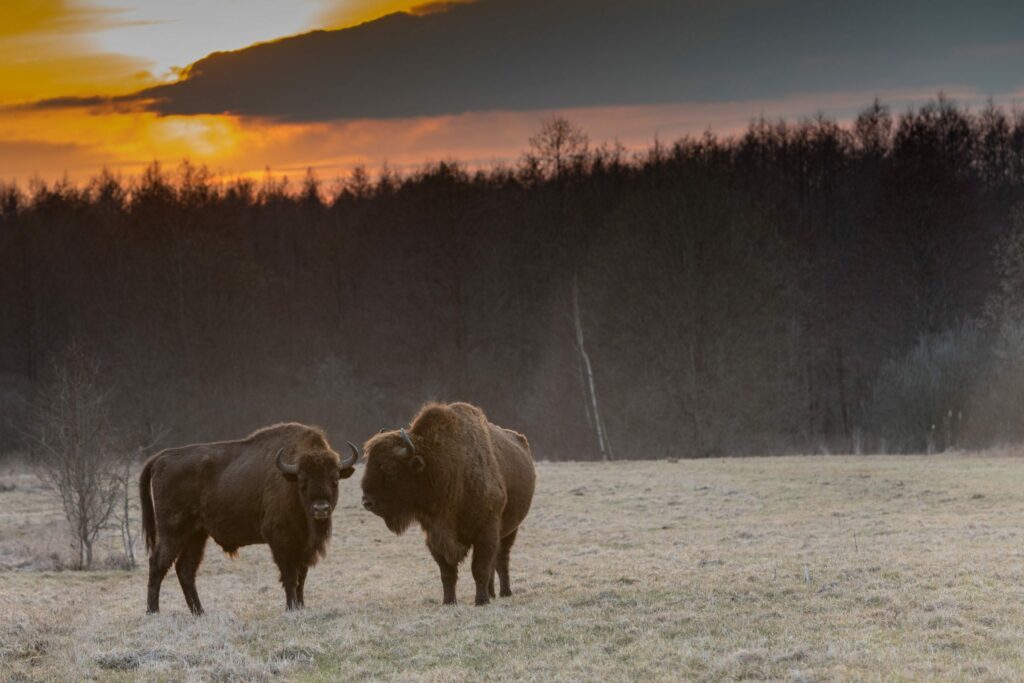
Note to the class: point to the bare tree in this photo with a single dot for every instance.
(76, 451)
(557, 147)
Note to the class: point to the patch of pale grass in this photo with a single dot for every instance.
(804, 569)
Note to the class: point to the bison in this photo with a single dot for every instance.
(468, 483)
(278, 486)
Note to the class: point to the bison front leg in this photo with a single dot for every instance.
(290, 581)
(289, 575)
(300, 586)
(485, 551)
(449, 576)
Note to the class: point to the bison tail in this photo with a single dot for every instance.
(146, 503)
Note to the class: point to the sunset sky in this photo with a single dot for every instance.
(88, 84)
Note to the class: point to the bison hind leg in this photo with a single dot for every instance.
(504, 549)
(186, 566)
(161, 557)
(484, 552)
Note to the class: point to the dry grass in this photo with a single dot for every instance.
(868, 568)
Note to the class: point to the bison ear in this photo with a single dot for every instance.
(417, 464)
(346, 472)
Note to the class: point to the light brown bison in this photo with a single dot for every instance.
(467, 482)
(278, 486)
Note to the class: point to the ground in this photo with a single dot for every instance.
(798, 568)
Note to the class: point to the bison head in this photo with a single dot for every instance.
(392, 481)
(316, 475)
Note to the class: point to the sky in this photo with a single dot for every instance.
(247, 86)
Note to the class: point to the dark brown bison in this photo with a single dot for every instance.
(279, 486)
(467, 482)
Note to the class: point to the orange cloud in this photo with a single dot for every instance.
(32, 142)
(37, 17)
(354, 12)
(45, 52)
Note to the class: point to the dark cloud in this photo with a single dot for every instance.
(549, 54)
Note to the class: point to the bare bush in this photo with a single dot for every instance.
(919, 399)
(997, 414)
(76, 450)
(999, 404)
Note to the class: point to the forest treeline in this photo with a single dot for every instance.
(800, 287)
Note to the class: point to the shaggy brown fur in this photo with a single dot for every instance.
(467, 482)
(237, 493)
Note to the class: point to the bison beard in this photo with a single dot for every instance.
(468, 483)
(398, 522)
(279, 486)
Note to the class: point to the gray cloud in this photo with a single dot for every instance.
(549, 54)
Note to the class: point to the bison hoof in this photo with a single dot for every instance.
(505, 593)
(482, 600)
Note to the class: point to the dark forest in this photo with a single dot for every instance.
(800, 287)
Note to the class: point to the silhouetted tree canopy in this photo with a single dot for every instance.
(799, 287)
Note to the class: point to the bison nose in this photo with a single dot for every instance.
(321, 506)
(367, 502)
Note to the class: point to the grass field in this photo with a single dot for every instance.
(803, 568)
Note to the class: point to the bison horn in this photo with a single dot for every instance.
(408, 441)
(285, 467)
(353, 460)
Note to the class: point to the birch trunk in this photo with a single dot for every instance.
(604, 448)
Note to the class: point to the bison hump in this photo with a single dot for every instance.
(434, 418)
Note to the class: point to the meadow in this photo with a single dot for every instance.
(794, 568)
